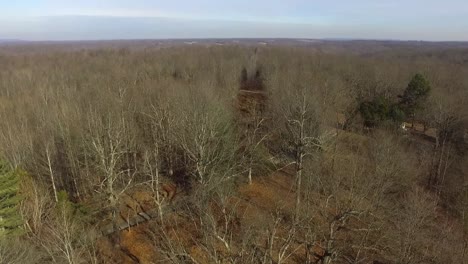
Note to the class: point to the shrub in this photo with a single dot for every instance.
(381, 110)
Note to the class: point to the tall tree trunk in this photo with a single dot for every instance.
(51, 174)
(298, 186)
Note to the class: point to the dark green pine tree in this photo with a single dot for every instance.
(415, 95)
(10, 218)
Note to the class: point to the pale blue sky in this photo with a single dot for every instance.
(136, 19)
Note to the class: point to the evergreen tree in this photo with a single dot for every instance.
(244, 77)
(415, 94)
(381, 111)
(10, 219)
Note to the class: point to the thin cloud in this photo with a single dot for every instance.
(397, 19)
(116, 12)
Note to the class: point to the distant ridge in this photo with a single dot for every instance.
(239, 40)
(9, 41)
(351, 46)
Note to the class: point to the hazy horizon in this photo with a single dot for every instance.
(50, 20)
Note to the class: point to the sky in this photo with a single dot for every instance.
(432, 20)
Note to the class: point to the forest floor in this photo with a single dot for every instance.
(253, 201)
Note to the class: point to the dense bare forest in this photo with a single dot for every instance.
(234, 154)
